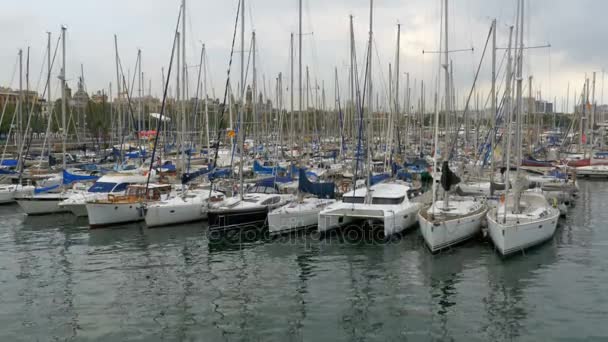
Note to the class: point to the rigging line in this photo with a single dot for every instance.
(466, 108)
(162, 108)
(223, 106)
(29, 141)
(10, 83)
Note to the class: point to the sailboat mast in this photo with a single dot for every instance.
(206, 100)
(48, 78)
(493, 107)
(184, 100)
(118, 92)
(397, 115)
(300, 68)
(291, 124)
(370, 119)
(519, 86)
(446, 66)
(509, 119)
(63, 94)
(242, 106)
(20, 112)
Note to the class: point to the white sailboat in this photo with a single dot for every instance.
(190, 206)
(454, 219)
(523, 218)
(302, 213)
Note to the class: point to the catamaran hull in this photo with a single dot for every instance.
(108, 214)
(509, 239)
(444, 234)
(393, 222)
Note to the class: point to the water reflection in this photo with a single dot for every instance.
(508, 281)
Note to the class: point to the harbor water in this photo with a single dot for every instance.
(61, 281)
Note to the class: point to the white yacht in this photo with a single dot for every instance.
(304, 212)
(515, 230)
(127, 208)
(300, 214)
(387, 203)
(115, 184)
(446, 224)
(8, 192)
(188, 207)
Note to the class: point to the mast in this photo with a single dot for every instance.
(493, 108)
(254, 84)
(370, 118)
(140, 93)
(179, 112)
(300, 67)
(353, 105)
(396, 113)
(20, 112)
(509, 119)
(48, 78)
(446, 66)
(519, 79)
(291, 124)
(447, 96)
(118, 93)
(184, 94)
(63, 94)
(206, 100)
(242, 94)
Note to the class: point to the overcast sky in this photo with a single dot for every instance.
(574, 29)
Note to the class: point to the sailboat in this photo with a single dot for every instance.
(454, 219)
(390, 204)
(302, 213)
(522, 219)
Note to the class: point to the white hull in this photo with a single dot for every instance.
(443, 233)
(394, 221)
(107, 214)
(176, 210)
(296, 216)
(521, 231)
(41, 205)
(77, 209)
(8, 192)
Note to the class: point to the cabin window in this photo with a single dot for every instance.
(351, 199)
(121, 187)
(387, 201)
(102, 187)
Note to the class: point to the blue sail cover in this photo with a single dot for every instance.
(9, 162)
(321, 190)
(219, 173)
(48, 188)
(187, 177)
(69, 178)
(266, 170)
(7, 172)
(379, 178)
(272, 181)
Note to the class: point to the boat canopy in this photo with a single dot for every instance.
(321, 190)
(69, 178)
